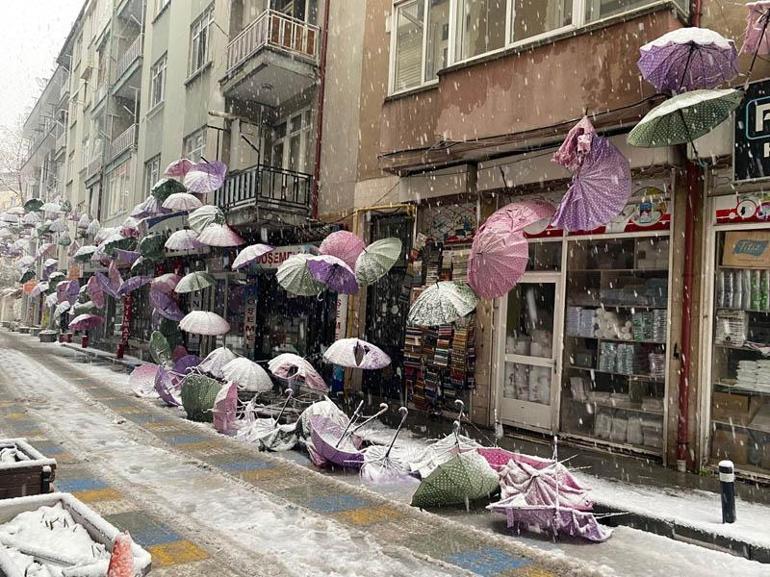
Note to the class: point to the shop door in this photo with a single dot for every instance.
(528, 371)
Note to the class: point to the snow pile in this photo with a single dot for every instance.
(11, 455)
(48, 542)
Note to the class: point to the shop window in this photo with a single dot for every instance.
(421, 40)
(544, 255)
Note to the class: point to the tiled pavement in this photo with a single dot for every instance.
(390, 523)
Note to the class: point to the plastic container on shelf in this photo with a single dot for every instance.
(721, 287)
(756, 297)
(746, 274)
(738, 291)
(764, 292)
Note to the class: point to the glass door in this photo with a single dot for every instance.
(529, 371)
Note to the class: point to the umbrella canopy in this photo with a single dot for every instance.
(130, 227)
(182, 202)
(225, 405)
(688, 59)
(250, 255)
(289, 366)
(165, 305)
(185, 363)
(149, 207)
(86, 308)
(756, 39)
(248, 375)
(50, 262)
(178, 168)
(465, 477)
(130, 285)
(294, 276)
(59, 225)
(216, 360)
(599, 190)
(183, 240)
(25, 261)
(56, 276)
(39, 289)
(64, 240)
(93, 228)
(9, 218)
(334, 273)
(45, 249)
(205, 177)
(334, 444)
(220, 235)
(195, 281)
(151, 246)
(83, 222)
(685, 117)
(499, 257)
(126, 258)
(26, 276)
(51, 207)
(356, 354)
(385, 464)
(204, 216)
(198, 396)
(33, 205)
(442, 304)
(165, 187)
(85, 322)
(31, 220)
(530, 216)
(268, 434)
(166, 283)
(204, 323)
(344, 245)
(95, 291)
(61, 308)
(142, 380)
(84, 253)
(376, 260)
(167, 386)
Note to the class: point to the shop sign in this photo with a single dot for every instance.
(750, 249)
(648, 210)
(751, 155)
(342, 317)
(276, 257)
(749, 207)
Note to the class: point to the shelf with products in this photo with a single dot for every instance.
(616, 374)
(619, 340)
(621, 406)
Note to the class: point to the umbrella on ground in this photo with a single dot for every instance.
(216, 361)
(186, 363)
(204, 216)
(344, 245)
(225, 405)
(688, 59)
(198, 396)
(165, 187)
(295, 277)
(356, 354)
(334, 444)
(33, 205)
(160, 349)
(268, 433)
(599, 189)
(178, 168)
(85, 322)
(195, 281)
(289, 366)
(499, 257)
(182, 202)
(685, 117)
(250, 255)
(248, 375)
(334, 273)
(376, 260)
(167, 385)
(165, 305)
(442, 303)
(142, 380)
(84, 253)
(220, 235)
(383, 465)
(165, 283)
(204, 323)
(205, 177)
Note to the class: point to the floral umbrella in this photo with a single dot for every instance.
(178, 169)
(289, 366)
(442, 303)
(499, 257)
(756, 39)
(204, 323)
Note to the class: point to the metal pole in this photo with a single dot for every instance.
(727, 481)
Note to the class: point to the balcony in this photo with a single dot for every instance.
(266, 188)
(124, 141)
(272, 59)
(126, 78)
(61, 142)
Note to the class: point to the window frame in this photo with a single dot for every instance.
(151, 173)
(159, 69)
(201, 23)
(199, 133)
(160, 6)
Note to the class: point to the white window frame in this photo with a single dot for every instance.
(158, 74)
(305, 134)
(200, 28)
(195, 153)
(160, 5)
(151, 173)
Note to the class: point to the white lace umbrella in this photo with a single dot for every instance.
(247, 375)
(204, 323)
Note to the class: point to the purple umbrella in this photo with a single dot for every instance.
(688, 59)
(205, 177)
(165, 306)
(126, 257)
(187, 362)
(178, 169)
(168, 387)
(95, 291)
(72, 291)
(166, 283)
(334, 273)
(576, 145)
(599, 190)
(334, 444)
(85, 322)
(142, 380)
(225, 405)
(756, 39)
(132, 284)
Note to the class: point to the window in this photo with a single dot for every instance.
(158, 82)
(597, 9)
(421, 42)
(160, 5)
(199, 40)
(480, 27)
(118, 189)
(151, 173)
(195, 145)
(530, 18)
(290, 146)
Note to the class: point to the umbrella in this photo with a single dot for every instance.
(61, 308)
(130, 285)
(185, 363)
(85, 322)
(688, 59)
(149, 207)
(130, 227)
(499, 257)
(160, 349)
(83, 222)
(220, 235)
(356, 354)
(165, 283)
(204, 216)
(248, 375)
(442, 304)
(165, 187)
(126, 257)
(530, 216)
(599, 189)
(93, 228)
(56, 276)
(204, 323)
(183, 240)
(334, 273)
(50, 262)
(166, 306)
(685, 117)
(294, 276)
(463, 478)
(51, 207)
(195, 281)
(33, 205)
(344, 245)
(376, 260)
(94, 288)
(225, 405)
(8, 217)
(182, 202)
(381, 464)
(84, 253)
(205, 177)
(178, 168)
(25, 261)
(151, 246)
(250, 255)
(216, 360)
(86, 308)
(26, 276)
(31, 220)
(289, 366)
(142, 380)
(64, 240)
(167, 386)
(268, 433)
(39, 289)
(143, 265)
(198, 396)
(59, 225)
(45, 249)
(756, 39)
(334, 444)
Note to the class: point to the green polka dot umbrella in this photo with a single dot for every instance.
(465, 477)
(685, 117)
(198, 396)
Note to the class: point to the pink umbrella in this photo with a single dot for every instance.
(220, 235)
(166, 283)
(576, 145)
(178, 169)
(142, 380)
(204, 323)
(756, 39)
(205, 177)
(225, 405)
(250, 254)
(599, 190)
(334, 273)
(132, 284)
(344, 245)
(85, 322)
(168, 387)
(183, 240)
(46, 249)
(165, 305)
(182, 202)
(499, 257)
(126, 257)
(95, 291)
(531, 216)
(289, 366)
(356, 354)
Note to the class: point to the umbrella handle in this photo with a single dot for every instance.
(456, 430)
(461, 408)
(350, 422)
(404, 412)
(289, 394)
(382, 411)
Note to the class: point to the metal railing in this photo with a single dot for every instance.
(123, 141)
(274, 29)
(128, 58)
(61, 140)
(266, 185)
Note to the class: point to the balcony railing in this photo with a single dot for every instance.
(274, 29)
(123, 141)
(128, 58)
(266, 185)
(61, 141)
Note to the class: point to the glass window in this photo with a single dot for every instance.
(534, 17)
(151, 173)
(158, 82)
(480, 27)
(199, 40)
(421, 42)
(160, 5)
(597, 9)
(195, 145)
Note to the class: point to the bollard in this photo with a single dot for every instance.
(120, 351)
(727, 481)
(84, 341)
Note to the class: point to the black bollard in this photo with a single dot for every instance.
(727, 481)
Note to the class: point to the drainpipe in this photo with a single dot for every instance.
(320, 118)
(692, 208)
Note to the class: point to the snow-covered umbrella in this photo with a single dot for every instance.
(184, 239)
(61, 308)
(756, 40)
(356, 354)
(384, 465)
(39, 289)
(250, 255)
(334, 443)
(224, 411)
(94, 289)
(198, 396)
(290, 366)
(64, 240)
(377, 259)
(165, 305)
(333, 273)
(204, 323)
(27, 276)
(59, 225)
(248, 375)
(85, 322)
(499, 257)
(25, 262)
(195, 281)
(33, 205)
(182, 202)
(166, 283)
(268, 432)
(45, 249)
(165, 187)
(9, 218)
(294, 276)
(55, 277)
(442, 304)
(84, 253)
(31, 220)
(83, 222)
(220, 235)
(167, 385)
(125, 258)
(205, 177)
(131, 284)
(344, 245)
(202, 217)
(216, 361)
(93, 228)
(151, 245)
(178, 169)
